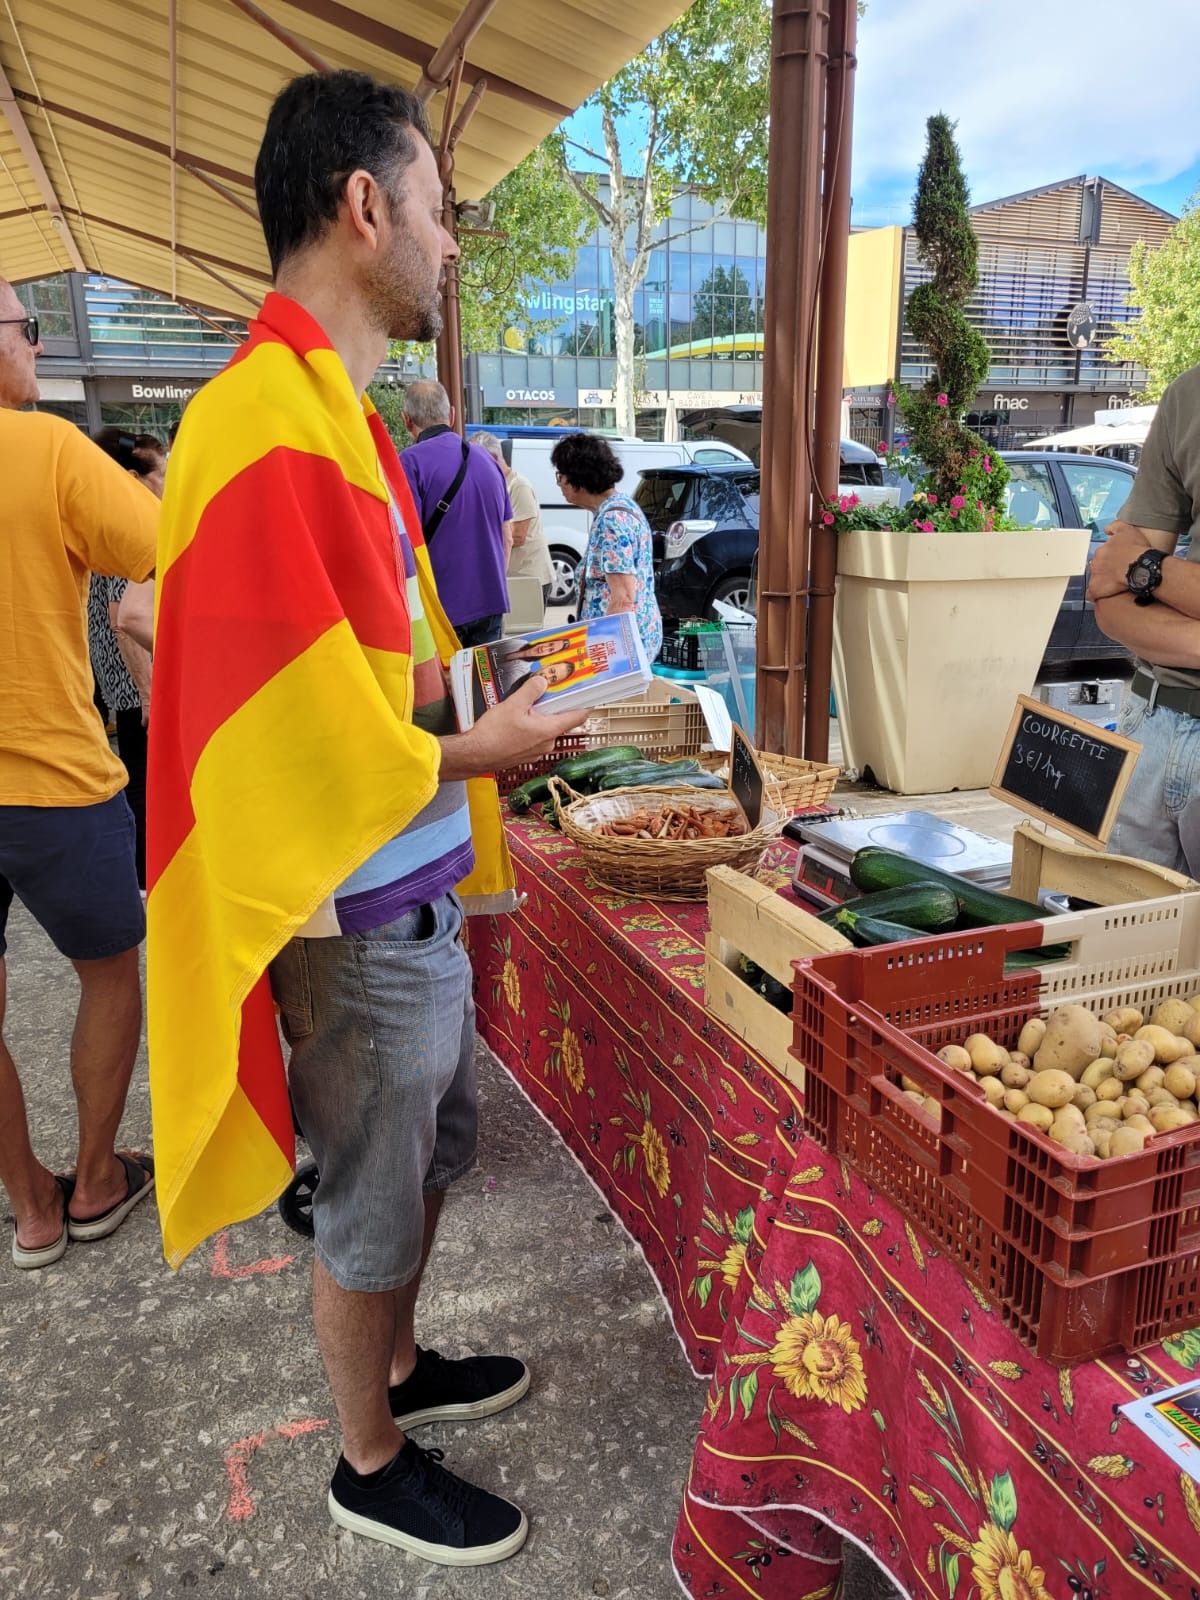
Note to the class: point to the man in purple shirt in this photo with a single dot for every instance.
(467, 516)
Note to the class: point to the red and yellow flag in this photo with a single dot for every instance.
(282, 752)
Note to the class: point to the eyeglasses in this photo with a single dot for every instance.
(28, 324)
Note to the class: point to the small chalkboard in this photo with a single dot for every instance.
(1065, 771)
(745, 776)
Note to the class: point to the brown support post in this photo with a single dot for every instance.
(799, 51)
(449, 344)
(831, 334)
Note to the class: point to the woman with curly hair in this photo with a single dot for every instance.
(617, 572)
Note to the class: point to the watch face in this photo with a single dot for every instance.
(1139, 578)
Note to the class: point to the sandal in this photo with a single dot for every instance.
(47, 1254)
(139, 1180)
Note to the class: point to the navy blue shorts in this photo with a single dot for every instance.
(74, 868)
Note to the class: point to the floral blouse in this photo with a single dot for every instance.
(620, 542)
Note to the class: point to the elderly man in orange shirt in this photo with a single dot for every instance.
(66, 832)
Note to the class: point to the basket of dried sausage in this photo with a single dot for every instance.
(657, 844)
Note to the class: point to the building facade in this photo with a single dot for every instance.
(1053, 286)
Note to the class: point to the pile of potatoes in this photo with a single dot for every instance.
(1098, 1086)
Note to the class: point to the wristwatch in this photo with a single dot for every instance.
(1144, 576)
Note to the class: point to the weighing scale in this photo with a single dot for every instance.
(822, 874)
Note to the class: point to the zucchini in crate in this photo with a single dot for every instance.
(582, 772)
(633, 774)
(930, 907)
(874, 869)
(865, 930)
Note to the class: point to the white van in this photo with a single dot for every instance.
(567, 526)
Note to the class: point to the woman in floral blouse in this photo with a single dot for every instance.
(617, 573)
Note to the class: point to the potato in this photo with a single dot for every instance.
(1173, 1015)
(1101, 1140)
(1078, 1144)
(1141, 1125)
(1165, 1119)
(986, 1056)
(1194, 1002)
(1102, 1111)
(916, 1095)
(1134, 1057)
(1135, 1103)
(1167, 1047)
(1005, 1112)
(1014, 1077)
(1179, 1079)
(1126, 1142)
(1040, 1117)
(1109, 1046)
(1019, 1059)
(911, 1086)
(1161, 1097)
(1071, 1116)
(1032, 1035)
(1083, 1097)
(1110, 1089)
(1072, 1040)
(1125, 1020)
(994, 1089)
(1150, 1079)
(933, 1106)
(1015, 1100)
(956, 1057)
(1095, 1075)
(1191, 1030)
(1051, 1087)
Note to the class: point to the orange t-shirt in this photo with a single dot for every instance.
(66, 510)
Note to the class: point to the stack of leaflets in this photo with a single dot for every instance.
(585, 664)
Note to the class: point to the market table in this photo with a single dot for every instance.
(860, 1387)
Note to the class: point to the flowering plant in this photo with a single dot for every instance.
(966, 510)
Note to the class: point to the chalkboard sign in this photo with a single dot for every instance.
(745, 776)
(1066, 771)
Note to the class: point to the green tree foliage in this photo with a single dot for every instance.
(545, 221)
(960, 355)
(1165, 284)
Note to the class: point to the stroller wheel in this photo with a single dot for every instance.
(295, 1203)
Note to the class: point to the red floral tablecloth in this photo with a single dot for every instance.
(860, 1387)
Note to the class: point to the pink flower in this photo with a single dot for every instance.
(853, 499)
(827, 519)
(891, 400)
(979, 505)
(957, 502)
(932, 499)
(973, 454)
(925, 527)
(954, 513)
(943, 400)
(987, 463)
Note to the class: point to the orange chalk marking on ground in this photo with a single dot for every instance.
(237, 1462)
(222, 1269)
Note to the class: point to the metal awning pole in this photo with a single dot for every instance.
(831, 338)
(799, 53)
(449, 344)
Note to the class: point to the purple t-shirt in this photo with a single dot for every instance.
(467, 551)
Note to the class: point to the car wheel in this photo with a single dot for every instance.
(733, 591)
(566, 579)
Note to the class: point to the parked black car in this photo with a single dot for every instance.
(709, 534)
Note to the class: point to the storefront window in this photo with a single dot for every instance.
(49, 300)
(153, 418)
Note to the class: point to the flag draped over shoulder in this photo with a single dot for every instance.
(282, 752)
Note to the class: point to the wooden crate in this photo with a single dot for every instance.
(1041, 861)
(748, 918)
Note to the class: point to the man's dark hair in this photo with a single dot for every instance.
(591, 464)
(321, 128)
(135, 452)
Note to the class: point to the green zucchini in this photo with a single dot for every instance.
(528, 794)
(864, 930)
(583, 771)
(931, 907)
(633, 774)
(874, 869)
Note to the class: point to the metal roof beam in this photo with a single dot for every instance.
(441, 65)
(37, 170)
(285, 35)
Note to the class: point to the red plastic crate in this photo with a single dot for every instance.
(1083, 1256)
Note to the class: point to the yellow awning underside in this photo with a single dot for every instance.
(92, 176)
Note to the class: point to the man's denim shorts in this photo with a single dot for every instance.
(382, 1075)
(74, 869)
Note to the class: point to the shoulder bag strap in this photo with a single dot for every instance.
(443, 505)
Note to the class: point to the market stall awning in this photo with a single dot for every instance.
(1093, 437)
(129, 131)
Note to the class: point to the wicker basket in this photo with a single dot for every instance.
(791, 784)
(654, 869)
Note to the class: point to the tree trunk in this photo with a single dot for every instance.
(624, 395)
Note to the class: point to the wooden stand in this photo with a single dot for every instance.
(747, 918)
(1040, 862)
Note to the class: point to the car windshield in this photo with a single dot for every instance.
(666, 498)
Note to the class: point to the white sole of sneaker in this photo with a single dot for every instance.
(468, 1412)
(442, 1555)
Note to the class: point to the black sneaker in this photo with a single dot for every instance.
(415, 1504)
(438, 1390)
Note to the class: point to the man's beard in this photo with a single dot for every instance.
(400, 310)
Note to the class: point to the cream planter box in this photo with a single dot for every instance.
(936, 634)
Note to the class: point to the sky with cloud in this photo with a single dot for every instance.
(1041, 90)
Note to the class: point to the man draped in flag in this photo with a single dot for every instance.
(312, 809)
